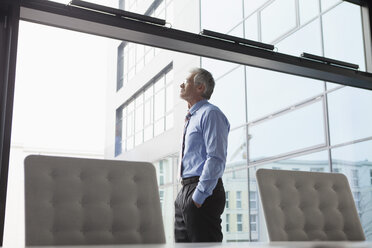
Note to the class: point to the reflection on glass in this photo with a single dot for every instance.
(313, 162)
(286, 133)
(277, 19)
(355, 161)
(269, 91)
(229, 96)
(350, 115)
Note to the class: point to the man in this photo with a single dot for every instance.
(201, 200)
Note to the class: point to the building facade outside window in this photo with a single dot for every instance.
(278, 121)
(148, 113)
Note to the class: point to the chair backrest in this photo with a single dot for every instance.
(75, 201)
(302, 206)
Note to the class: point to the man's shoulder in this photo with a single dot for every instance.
(208, 107)
(211, 108)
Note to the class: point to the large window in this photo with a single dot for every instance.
(132, 58)
(278, 120)
(148, 113)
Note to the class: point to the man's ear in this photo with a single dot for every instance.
(201, 87)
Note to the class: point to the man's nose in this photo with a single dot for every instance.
(182, 85)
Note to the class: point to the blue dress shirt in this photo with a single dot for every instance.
(205, 148)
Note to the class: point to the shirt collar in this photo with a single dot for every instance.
(197, 106)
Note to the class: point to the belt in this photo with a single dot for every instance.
(190, 180)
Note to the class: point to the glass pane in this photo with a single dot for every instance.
(169, 77)
(277, 19)
(237, 31)
(159, 126)
(149, 92)
(148, 133)
(159, 84)
(355, 161)
(251, 28)
(269, 92)
(169, 98)
(216, 16)
(140, 49)
(169, 121)
(350, 116)
(326, 4)
(148, 112)
(306, 39)
(285, 112)
(237, 148)
(313, 161)
(217, 67)
(138, 138)
(251, 6)
(342, 29)
(139, 118)
(159, 103)
(308, 10)
(130, 124)
(301, 128)
(230, 100)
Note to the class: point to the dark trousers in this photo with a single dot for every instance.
(202, 224)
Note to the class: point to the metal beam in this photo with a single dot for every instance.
(358, 2)
(9, 13)
(82, 20)
(367, 37)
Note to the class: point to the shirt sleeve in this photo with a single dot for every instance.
(215, 132)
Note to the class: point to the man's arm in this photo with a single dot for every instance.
(215, 132)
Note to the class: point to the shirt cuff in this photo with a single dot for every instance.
(199, 197)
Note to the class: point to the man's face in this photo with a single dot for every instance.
(189, 91)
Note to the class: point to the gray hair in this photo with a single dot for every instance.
(203, 76)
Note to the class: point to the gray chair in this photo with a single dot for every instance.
(75, 201)
(307, 206)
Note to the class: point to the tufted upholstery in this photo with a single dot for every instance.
(74, 201)
(301, 206)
